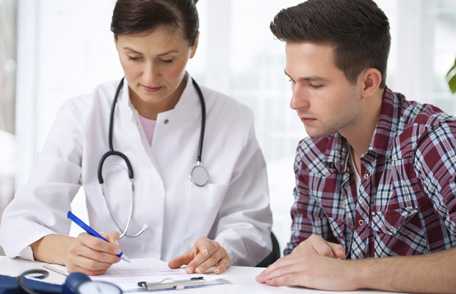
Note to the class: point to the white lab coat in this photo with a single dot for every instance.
(232, 209)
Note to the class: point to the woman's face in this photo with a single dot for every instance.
(154, 63)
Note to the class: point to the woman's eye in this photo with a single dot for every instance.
(134, 58)
(167, 60)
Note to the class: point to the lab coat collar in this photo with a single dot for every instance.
(187, 107)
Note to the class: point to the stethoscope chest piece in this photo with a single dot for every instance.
(199, 175)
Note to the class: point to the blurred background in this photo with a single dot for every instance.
(51, 50)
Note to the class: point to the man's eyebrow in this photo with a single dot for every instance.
(308, 79)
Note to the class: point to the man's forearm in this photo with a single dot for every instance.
(52, 248)
(433, 273)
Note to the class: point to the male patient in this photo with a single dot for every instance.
(376, 180)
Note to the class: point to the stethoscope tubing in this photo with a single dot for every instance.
(198, 168)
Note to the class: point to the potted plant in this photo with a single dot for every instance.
(451, 78)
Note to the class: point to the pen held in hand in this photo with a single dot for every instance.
(89, 230)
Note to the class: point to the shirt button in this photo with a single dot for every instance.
(166, 121)
(361, 222)
(366, 176)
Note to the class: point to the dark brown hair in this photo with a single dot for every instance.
(136, 16)
(358, 29)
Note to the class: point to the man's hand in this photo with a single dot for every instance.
(317, 244)
(311, 271)
(206, 256)
(314, 263)
(92, 256)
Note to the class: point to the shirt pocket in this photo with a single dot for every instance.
(399, 231)
(391, 221)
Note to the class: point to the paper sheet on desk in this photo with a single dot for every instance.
(127, 275)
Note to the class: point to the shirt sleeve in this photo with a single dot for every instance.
(435, 163)
(307, 216)
(244, 225)
(39, 207)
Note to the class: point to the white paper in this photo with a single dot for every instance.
(127, 274)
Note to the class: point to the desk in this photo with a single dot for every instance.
(242, 279)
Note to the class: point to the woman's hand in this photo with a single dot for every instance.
(91, 255)
(206, 256)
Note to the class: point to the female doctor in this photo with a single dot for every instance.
(170, 169)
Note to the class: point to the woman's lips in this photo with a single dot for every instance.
(151, 89)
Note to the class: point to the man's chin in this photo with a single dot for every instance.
(316, 133)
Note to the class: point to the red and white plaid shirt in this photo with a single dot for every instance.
(406, 202)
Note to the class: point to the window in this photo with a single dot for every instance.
(7, 101)
(7, 64)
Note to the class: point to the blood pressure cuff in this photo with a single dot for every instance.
(9, 285)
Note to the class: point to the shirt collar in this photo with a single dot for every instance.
(387, 124)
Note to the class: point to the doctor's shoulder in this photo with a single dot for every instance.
(227, 110)
(83, 105)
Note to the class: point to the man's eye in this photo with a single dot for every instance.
(316, 86)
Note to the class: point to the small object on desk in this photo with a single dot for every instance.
(71, 216)
(180, 284)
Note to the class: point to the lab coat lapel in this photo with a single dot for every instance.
(176, 136)
(150, 190)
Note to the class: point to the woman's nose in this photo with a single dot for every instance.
(150, 74)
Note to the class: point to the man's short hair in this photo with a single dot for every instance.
(358, 30)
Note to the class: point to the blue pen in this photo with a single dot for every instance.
(91, 231)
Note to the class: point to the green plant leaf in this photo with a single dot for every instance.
(451, 78)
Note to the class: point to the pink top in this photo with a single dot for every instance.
(148, 127)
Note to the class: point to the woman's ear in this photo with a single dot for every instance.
(194, 46)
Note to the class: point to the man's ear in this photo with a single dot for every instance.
(371, 80)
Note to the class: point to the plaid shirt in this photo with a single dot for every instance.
(406, 202)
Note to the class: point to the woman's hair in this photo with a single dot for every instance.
(358, 29)
(136, 16)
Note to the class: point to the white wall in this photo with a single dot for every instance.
(66, 48)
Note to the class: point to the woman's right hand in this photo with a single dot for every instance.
(91, 255)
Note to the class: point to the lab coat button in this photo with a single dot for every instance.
(166, 121)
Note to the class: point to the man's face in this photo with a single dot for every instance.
(324, 99)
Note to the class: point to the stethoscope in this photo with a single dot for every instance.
(199, 175)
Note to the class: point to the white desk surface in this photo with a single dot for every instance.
(242, 279)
